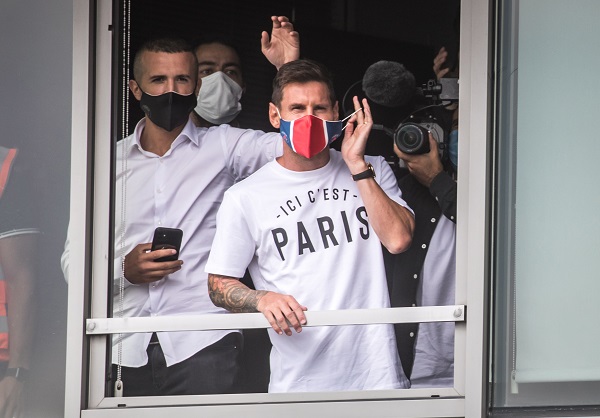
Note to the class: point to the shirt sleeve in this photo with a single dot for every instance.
(443, 188)
(233, 246)
(248, 150)
(387, 181)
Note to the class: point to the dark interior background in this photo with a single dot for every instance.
(345, 35)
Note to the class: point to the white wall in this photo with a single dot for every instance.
(557, 197)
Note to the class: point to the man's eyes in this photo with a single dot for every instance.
(205, 71)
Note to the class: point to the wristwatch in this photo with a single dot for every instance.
(19, 373)
(369, 172)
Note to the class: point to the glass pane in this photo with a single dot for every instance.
(136, 217)
(547, 230)
(35, 116)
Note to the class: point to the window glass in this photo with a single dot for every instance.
(135, 221)
(547, 229)
(35, 116)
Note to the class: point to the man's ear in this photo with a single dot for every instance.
(135, 89)
(336, 111)
(274, 116)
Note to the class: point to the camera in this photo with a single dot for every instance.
(411, 136)
(408, 114)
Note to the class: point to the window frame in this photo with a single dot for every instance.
(91, 207)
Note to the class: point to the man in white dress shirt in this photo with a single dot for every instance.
(171, 173)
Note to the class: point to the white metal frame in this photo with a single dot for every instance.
(473, 207)
(81, 148)
(468, 396)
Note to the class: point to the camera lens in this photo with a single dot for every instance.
(412, 138)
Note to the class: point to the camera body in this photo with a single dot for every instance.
(413, 137)
(412, 134)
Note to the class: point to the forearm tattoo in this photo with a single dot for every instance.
(233, 295)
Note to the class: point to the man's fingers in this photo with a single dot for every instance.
(273, 322)
(155, 255)
(264, 40)
(294, 320)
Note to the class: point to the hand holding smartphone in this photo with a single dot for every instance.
(167, 238)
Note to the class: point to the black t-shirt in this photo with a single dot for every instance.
(18, 206)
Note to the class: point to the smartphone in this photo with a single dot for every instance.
(165, 238)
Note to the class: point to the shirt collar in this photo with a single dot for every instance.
(189, 132)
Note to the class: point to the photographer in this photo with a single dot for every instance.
(424, 275)
(419, 120)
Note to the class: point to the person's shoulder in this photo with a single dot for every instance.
(256, 180)
(228, 133)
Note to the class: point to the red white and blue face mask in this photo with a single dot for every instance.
(309, 134)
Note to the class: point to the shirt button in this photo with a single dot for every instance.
(452, 218)
(414, 304)
(432, 219)
(415, 276)
(412, 334)
(424, 246)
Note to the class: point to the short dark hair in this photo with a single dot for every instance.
(168, 45)
(301, 71)
(217, 38)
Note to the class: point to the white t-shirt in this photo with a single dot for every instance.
(434, 350)
(181, 189)
(307, 234)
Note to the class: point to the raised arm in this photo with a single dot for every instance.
(283, 45)
(393, 223)
(280, 310)
(428, 170)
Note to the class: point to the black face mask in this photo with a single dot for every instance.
(168, 110)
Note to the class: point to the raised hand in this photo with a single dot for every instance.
(283, 45)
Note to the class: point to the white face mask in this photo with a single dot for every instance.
(219, 98)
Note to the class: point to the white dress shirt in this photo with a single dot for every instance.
(434, 350)
(181, 189)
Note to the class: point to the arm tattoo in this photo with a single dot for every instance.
(231, 294)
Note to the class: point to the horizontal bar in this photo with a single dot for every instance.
(247, 399)
(100, 326)
(398, 408)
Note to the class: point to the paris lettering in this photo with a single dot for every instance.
(332, 231)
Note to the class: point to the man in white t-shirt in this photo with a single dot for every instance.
(300, 225)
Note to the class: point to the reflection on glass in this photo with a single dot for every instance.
(18, 262)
